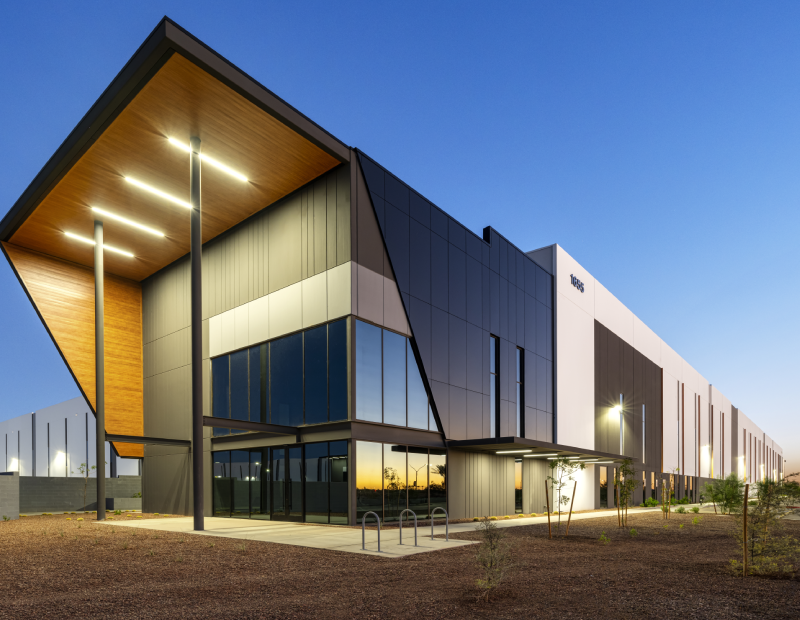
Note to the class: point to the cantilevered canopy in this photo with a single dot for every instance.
(530, 448)
(174, 87)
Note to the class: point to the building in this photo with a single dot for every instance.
(361, 350)
(55, 441)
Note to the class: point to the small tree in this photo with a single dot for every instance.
(493, 557)
(85, 470)
(626, 481)
(769, 550)
(562, 471)
(727, 493)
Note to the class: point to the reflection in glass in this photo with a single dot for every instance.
(394, 379)
(417, 397)
(603, 487)
(338, 490)
(518, 485)
(294, 497)
(220, 376)
(286, 380)
(337, 371)
(438, 477)
(239, 389)
(394, 481)
(369, 478)
(255, 385)
(317, 472)
(315, 360)
(494, 392)
(259, 483)
(520, 395)
(240, 474)
(222, 484)
(418, 481)
(368, 372)
(278, 476)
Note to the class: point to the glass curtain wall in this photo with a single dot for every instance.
(389, 385)
(391, 478)
(294, 380)
(291, 483)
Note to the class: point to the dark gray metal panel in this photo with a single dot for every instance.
(520, 279)
(505, 427)
(504, 369)
(531, 417)
(495, 251)
(542, 285)
(396, 193)
(487, 414)
(503, 257)
(379, 204)
(439, 272)
(494, 298)
(512, 313)
(457, 282)
(457, 343)
(521, 318)
(457, 235)
(458, 413)
(343, 253)
(530, 379)
(474, 246)
(397, 242)
(441, 396)
(440, 222)
(541, 383)
(503, 308)
(549, 333)
(420, 261)
(166, 483)
(474, 293)
(486, 297)
(420, 209)
(369, 240)
(485, 361)
(512, 264)
(541, 329)
(421, 324)
(549, 383)
(374, 176)
(474, 358)
(530, 278)
(474, 415)
(439, 350)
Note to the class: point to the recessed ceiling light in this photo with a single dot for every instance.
(125, 220)
(511, 451)
(209, 160)
(91, 242)
(158, 192)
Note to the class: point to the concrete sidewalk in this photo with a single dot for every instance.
(337, 538)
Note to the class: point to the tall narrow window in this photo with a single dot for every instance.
(520, 394)
(644, 437)
(621, 427)
(494, 387)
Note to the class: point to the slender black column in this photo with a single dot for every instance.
(99, 369)
(197, 335)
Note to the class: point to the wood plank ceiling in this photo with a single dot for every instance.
(180, 100)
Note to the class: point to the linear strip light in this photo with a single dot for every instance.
(531, 456)
(125, 220)
(158, 192)
(512, 451)
(105, 247)
(209, 160)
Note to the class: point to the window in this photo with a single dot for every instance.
(621, 427)
(299, 379)
(389, 383)
(603, 487)
(494, 387)
(518, 484)
(520, 395)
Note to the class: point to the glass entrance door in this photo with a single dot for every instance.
(287, 483)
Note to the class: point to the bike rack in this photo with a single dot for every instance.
(415, 525)
(363, 523)
(446, 523)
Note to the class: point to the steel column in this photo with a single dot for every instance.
(99, 369)
(197, 335)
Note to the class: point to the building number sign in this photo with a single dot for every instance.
(576, 283)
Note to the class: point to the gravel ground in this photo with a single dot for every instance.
(54, 568)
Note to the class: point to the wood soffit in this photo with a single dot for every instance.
(180, 100)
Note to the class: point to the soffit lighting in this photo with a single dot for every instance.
(209, 160)
(512, 451)
(158, 192)
(543, 454)
(125, 220)
(105, 247)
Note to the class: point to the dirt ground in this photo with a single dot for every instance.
(54, 568)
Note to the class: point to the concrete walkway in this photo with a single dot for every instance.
(338, 538)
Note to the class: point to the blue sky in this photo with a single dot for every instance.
(658, 143)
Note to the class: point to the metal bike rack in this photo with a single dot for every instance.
(415, 525)
(446, 523)
(363, 523)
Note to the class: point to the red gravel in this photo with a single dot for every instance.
(52, 568)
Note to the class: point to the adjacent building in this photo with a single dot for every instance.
(362, 350)
(56, 442)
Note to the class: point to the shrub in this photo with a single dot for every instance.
(493, 557)
(727, 493)
(696, 521)
(69, 518)
(680, 510)
(117, 512)
(80, 519)
(634, 532)
(492, 518)
(695, 509)
(650, 502)
(680, 527)
(603, 538)
(506, 517)
(476, 518)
